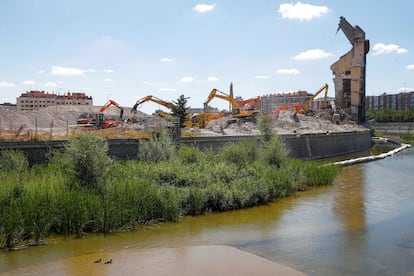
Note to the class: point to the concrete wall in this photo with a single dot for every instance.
(305, 147)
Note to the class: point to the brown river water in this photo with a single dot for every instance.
(362, 224)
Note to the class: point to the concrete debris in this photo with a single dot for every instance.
(61, 119)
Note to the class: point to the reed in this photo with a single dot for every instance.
(111, 195)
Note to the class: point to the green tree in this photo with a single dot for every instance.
(180, 109)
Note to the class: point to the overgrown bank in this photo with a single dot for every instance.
(84, 190)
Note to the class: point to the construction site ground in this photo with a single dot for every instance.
(61, 121)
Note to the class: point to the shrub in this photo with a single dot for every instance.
(189, 155)
(319, 175)
(85, 163)
(234, 153)
(13, 161)
(265, 127)
(274, 152)
(158, 148)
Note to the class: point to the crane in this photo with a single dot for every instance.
(304, 109)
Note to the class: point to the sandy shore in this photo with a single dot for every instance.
(192, 260)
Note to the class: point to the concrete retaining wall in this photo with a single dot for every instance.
(306, 147)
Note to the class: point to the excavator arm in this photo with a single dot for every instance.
(236, 109)
(110, 103)
(251, 103)
(221, 95)
(305, 106)
(151, 98)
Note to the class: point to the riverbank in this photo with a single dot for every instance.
(190, 260)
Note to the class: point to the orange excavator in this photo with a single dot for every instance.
(110, 103)
(296, 107)
(98, 121)
(250, 104)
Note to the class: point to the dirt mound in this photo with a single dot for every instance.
(56, 119)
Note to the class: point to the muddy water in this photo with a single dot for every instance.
(363, 224)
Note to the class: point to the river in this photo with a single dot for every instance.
(362, 224)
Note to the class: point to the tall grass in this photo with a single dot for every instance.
(120, 195)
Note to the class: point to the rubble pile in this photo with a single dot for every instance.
(61, 119)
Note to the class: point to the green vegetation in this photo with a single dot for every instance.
(408, 139)
(389, 115)
(83, 190)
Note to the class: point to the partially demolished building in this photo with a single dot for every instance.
(349, 72)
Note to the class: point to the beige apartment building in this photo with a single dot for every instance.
(35, 100)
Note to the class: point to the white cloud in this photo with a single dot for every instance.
(302, 11)
(164, 59)
(91, 70)
(28, 82)
(59, 82)
(40, 72)
(410, 67)
(212, 78)
(108, 79)
(381, 48)
(50, 84)
(168, 89)
(108, 71)
(203, 8)
(261, 77)
(288, 71)
(312, 54)
(5, 84)
(67, 71)
(186, 80)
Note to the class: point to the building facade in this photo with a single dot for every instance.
(270, 102)
(35, 100)
(401, 101)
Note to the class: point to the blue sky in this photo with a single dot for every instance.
(125, 50)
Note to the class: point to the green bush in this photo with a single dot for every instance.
(13, 161)
(234, 154)
(274, 152)
(189, 155)
(266, 128)
(85, 163)
(158, 148)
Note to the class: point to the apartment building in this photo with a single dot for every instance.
(35, 100)
(401, 101)
(270, 102)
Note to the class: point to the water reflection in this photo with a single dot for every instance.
(349, 198)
